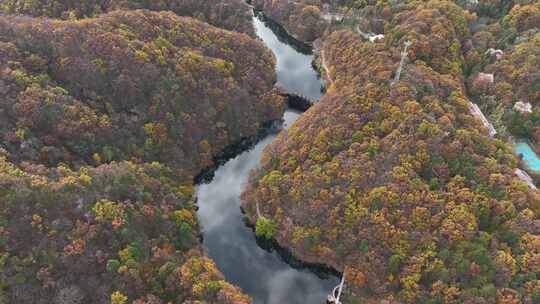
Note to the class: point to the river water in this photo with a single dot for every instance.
(294, 71)
(262, 274)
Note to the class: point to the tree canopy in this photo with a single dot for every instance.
(396, 183)
(104, 123)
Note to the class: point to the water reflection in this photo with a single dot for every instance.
(232, 245)
(228, 241)
(294, 71)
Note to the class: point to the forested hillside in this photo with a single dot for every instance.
(301, 19)
(394, 182)
(132, 84)
(504, 30)
(109, 108)
(511, 98)
(104, 122)
(229, 14)
(111, 234)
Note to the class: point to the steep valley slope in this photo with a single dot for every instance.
(232, 15)
(393, 181)
(104, 122)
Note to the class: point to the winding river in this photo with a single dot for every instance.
(262, 274)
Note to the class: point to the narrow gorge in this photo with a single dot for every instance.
(263, 274)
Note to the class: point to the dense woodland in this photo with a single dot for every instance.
(118, 233)
(104, 122)
(508, 26)
(393, 181)
(133, 84)
(108, 109)
(301, 19)
(516, 73)
(228, 14)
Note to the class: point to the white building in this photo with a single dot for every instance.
(498, 53)
(375, 37)
(523, 107)
(486, 77)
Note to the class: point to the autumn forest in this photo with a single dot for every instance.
(413, 178)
